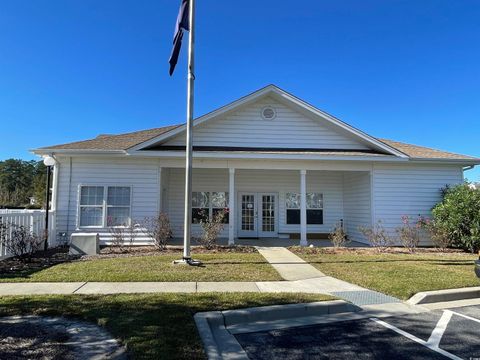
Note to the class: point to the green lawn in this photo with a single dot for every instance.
(401, 275)
(151, 326)
(221, 266)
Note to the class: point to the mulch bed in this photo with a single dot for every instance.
(43, 259)
(376, 251)
(40, 260)
(118, 252)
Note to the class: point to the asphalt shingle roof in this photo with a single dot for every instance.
(128, 140)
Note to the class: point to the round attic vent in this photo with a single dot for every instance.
(268, 113)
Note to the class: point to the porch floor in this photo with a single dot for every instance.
(272, 242)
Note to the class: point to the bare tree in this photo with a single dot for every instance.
(159, 229)
(20, 241)
(377, 235)
(338, 236)
(212, 229)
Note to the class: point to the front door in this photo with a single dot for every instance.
(257, 214)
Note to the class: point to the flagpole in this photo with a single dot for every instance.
(189, 144)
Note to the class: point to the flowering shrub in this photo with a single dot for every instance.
(409, 233)
(458, 214)
(377, 236)
(212, 228)
(338, 236)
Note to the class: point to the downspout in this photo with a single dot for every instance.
(69, 193)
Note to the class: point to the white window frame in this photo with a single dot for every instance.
(104, 206)
(308, 208)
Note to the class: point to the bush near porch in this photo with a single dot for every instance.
(396, 271)
(144, 264)
(157, 326)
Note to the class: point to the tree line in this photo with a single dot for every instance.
(21, 180)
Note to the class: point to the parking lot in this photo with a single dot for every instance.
(440, 334)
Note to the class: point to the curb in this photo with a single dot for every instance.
(218, 341)
(429, 297)
(275, 312)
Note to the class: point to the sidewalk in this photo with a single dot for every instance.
(300, 277)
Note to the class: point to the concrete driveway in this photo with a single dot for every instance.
(440, 334)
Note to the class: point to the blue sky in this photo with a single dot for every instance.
(404, 70)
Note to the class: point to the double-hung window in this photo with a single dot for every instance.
(205, 205)
(104, 206)
(118, 206)
(91, 206)
(314, 208)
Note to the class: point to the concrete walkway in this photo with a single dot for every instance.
(288, 265)
(303, 277)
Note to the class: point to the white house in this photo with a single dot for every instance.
(283, 168)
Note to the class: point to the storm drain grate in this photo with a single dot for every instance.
(365, 297)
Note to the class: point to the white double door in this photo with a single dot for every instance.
(257, 214)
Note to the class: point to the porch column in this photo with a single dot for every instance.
(303, 208)
(160, 190)
(231, 206)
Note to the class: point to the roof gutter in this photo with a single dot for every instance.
(77, 152)
(466, 162)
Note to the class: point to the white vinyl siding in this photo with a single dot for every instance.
(357, 203)
(289, 129)
(142, 176)
(409, 189)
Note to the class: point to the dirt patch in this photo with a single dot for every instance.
(32, 341)
(375, 251)
(135, 251)
(39, 261)
(52, 338)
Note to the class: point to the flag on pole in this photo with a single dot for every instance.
(181, 24)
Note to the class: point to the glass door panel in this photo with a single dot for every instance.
(248, 215)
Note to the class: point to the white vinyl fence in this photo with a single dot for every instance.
(33, 220)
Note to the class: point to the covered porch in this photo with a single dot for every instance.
(280, 207)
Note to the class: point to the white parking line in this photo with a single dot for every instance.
(437, 333)
(416, 339)
(465, 316)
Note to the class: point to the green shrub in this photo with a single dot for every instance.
(458, 214)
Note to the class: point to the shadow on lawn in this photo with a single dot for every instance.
(446, 262)
(152, 326)
(226, 262)
(20, 268)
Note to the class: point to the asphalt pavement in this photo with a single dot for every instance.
(440, 334)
